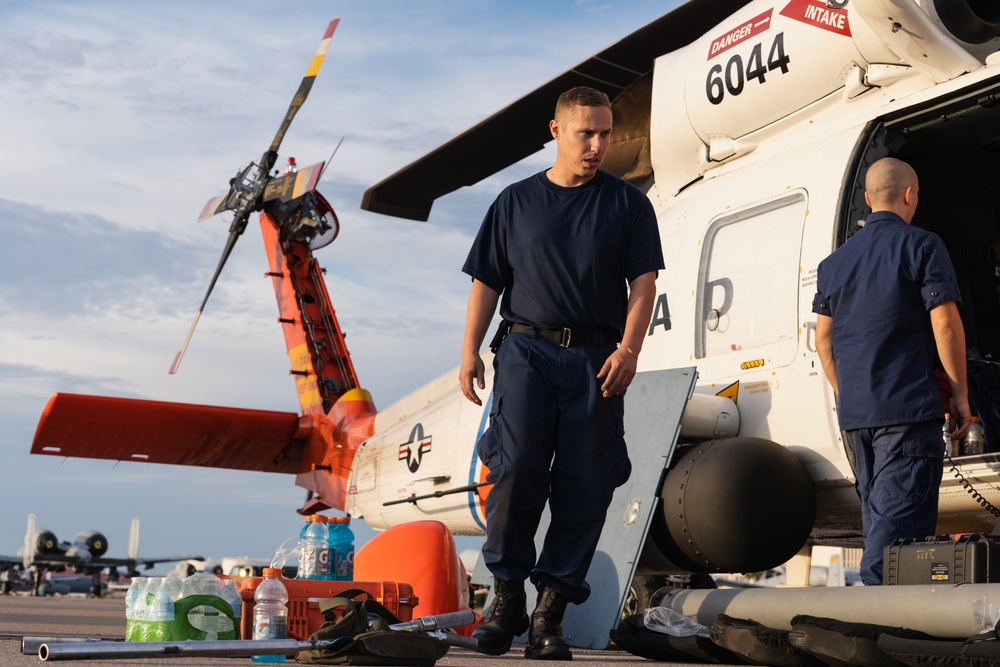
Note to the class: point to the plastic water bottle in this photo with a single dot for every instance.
(314, 550)
(270, 611)
(144, 609)
(975, 439)
(946, 431)
(342, 549)
(291, 168)
(231, 594)
(213, 623)
(135, 608)
(161, 616)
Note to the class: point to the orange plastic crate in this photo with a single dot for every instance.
(304, 617)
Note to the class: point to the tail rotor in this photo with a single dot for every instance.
(253, 187)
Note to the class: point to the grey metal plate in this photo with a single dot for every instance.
(654, 405)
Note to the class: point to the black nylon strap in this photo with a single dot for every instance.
(569, 337)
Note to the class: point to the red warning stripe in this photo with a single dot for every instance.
(740, 33)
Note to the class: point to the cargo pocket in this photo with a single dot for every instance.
(490, 445)
(917, 475)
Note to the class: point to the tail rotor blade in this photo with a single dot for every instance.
(287, 188)
(222, 262)
(307, 81)
(213, 206)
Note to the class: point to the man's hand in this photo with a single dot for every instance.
(472, 370)
(961, 416)
(617, 372)
(949, 336)
(482, 305)
(619, 369)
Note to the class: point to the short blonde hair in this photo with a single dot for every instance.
(581, 95)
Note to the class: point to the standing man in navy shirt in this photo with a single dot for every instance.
(886, 301)
(571, 255)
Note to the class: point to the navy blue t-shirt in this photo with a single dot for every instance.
(878, 288)
(563, 257)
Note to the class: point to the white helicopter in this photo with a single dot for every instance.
(750, 125)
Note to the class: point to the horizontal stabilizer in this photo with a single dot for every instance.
(123, 429)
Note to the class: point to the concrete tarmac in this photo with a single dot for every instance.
(104, 618)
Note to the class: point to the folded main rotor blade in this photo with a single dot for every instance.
(230, 242)
(303, 92)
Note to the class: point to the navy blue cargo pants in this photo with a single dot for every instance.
(554, 437)
(898, 470)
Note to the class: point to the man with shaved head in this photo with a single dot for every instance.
(886, 302)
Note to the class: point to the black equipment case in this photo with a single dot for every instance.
(966, 559)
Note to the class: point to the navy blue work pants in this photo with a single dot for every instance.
(898, 470)
(552, 437)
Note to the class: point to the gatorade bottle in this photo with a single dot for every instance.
(305, 527)
(331, 566)
(314, 550)
(946, 431)
(975, 440)
(342, 549)
(270, 612)
(331, 527)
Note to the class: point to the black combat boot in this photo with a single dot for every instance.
(545, 641)
(507, 617)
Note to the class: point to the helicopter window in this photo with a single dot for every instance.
(748, 285)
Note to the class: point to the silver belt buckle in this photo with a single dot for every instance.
(567, 336)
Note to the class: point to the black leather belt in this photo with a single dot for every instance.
(569, 337)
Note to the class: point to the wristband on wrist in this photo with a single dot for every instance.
(629, 350)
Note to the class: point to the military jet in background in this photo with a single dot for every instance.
(42, 552)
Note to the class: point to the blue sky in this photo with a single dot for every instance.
(118, 120)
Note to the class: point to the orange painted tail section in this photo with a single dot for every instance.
(317, 446)
(320, 361)
(330, 450)
(340, 414)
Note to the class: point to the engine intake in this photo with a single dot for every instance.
(46, 542)
(94, 542)
(972, 21)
